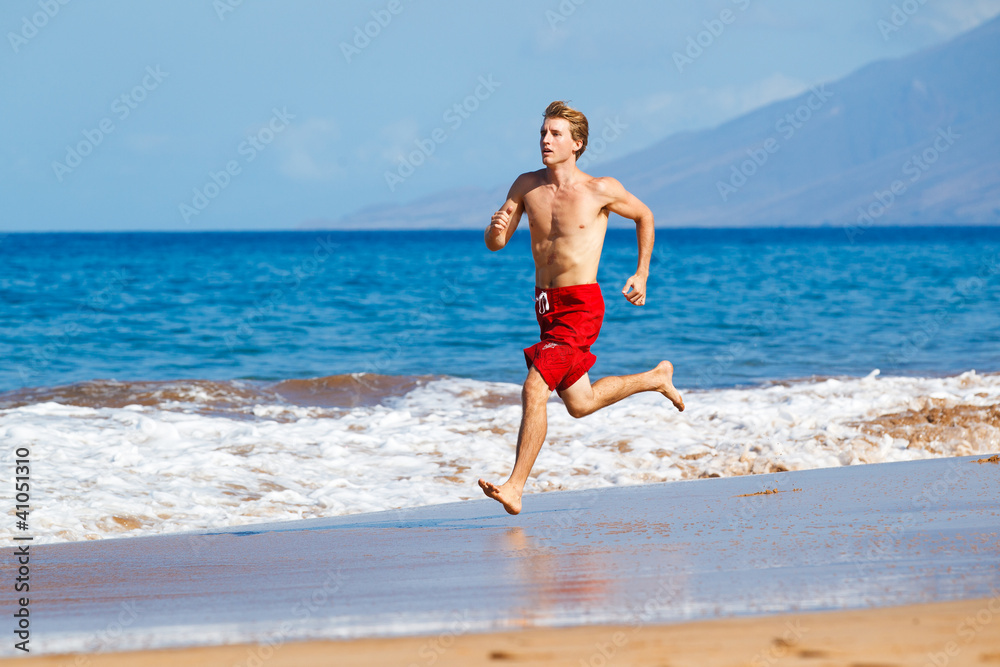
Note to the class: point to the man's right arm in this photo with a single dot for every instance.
(504, 221)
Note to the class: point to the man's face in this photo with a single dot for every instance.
(556, 142)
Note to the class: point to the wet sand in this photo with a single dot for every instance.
(863, 543)
(964, 427)
(948, 633)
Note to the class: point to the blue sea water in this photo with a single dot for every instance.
(728, 307)
(225, 363)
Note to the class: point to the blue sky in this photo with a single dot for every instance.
(207, 115)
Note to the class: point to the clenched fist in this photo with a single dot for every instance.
(500, 221)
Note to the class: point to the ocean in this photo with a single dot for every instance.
(168, 381)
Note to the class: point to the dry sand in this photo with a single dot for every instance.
(948, 633)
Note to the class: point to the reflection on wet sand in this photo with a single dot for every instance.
(555, 581)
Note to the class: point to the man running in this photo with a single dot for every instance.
(568, 217)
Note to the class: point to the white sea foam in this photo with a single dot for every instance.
(141, 469)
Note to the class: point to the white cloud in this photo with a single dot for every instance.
(392, 142)
(956, 16)
(668, 112)
(399, 137)
(308, 150)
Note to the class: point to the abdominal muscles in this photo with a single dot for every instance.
(567, 260)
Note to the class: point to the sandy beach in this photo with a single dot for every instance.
(950, 633)
(716, 569)
(292, 293)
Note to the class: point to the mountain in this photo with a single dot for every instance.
(909, 141)
(460, 208)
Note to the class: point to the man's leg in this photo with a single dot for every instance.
(534, 422)
(583, 398)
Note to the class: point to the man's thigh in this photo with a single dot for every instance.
(580, 392)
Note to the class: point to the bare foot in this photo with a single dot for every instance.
(666, 371)
(506, 496)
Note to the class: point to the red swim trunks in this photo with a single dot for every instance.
(570, 319)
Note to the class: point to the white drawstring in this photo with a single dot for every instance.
(543, 303)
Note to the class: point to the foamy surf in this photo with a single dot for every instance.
(114, 459)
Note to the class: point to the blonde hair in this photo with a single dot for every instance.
(578, 127)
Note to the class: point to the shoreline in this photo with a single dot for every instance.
(853, 538)
(965, 632)
(251, 457)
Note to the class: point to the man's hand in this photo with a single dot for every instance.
(500, 221)
(637, 283)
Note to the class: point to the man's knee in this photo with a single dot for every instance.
(576, 406)
(576, 410)
(535, 390)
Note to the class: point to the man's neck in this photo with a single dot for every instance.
(564, 173)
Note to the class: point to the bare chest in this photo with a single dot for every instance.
(562, 213)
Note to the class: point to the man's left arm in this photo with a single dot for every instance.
(627, 205)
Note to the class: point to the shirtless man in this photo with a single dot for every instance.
(568, 216)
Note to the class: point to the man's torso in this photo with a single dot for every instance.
(567, 231)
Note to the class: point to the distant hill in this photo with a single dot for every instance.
(461, 208)
(910, 141)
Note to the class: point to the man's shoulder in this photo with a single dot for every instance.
(604, 185)
(528, 181)
(531, 177)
